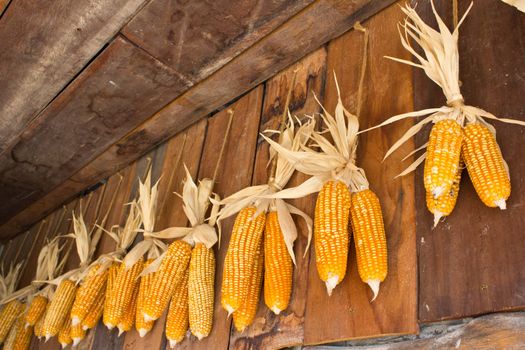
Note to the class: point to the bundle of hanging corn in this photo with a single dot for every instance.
(343, 192)
(460, 133)
(262, 219)
(12, 308)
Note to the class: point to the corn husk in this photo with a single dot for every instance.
(9, 281)
(260, 196)
(440, 62)
(519, 4)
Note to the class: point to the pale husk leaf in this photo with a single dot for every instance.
(519, 4)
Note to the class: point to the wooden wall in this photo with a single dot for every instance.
(467, 266)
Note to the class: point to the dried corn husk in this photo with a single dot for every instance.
(519, 4)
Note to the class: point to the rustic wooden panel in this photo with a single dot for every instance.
(44, 45)
(302, 34)
(467, 264)
(118, 91)
(196, 38)
(348, 313)
(287, 329)
(235, 173)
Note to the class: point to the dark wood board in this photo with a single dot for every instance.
(287, 329)
(118, 91)
(44, 45)
(468, 263)
(197, 37)
(348, 313)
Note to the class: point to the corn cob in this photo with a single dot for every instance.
(442, 160)
(244, 316)
(59, 308)
(23, 335)
(36, 310)
(122, 292)
(77, 333)
(8, 316)
(64, 336)
(177, 319)
(11, 337)
(331, 233)
(369, 237)
(165, 279)
(278, 266)
(39, 325)
(112, 276)
(142, 326)
(201, 291)
(485, 165)
(241, 257)
(87, 293)
(128, 319)
(94, 315)
(444, 204)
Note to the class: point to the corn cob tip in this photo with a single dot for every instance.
(147, 317)
(374, 285)
(331, 282)
(85, 328)
(229, 309)
(64, 345)
(76, 341)
(437, 192)
(120, 331)
(27, 325)
(437, 216)
(173, 343)
(75, 320)
(199, 336)
(143, 332)
(500, 203)
(109, 326)
(275, 310)
(48, 336)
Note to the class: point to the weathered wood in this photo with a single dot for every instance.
(287, 329)
(196, 38)
(300, 35)
(44, 45)
(104, 100)
(348, 313)
(468, 263)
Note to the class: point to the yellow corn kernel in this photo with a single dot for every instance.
(64, 335)
(244, 315)
(241, 257)
(8, 316)
(128, 319)
(36, 310)
(331, 233)
(370, 239)
(165, 279)
(112, 276)
(39, 325)
(121, 293)
(142, 326)
(59, 308)
(201, 291)
(87, 293)
(177, 319)
(77, 333)
(278, 266)
(442, 160)
(94, 315)
(23, 335)
(485, 165)
(444, 204)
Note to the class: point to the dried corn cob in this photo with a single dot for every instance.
(142, 326)
(177, 320)
(11, 337)
(36, 310)
(64, 336)
(444, 204)
(23, 335)
(244, 316)
(87, 293)
(201, 291)
(122, 292)
(78, 333)
(128, 319)
(166, 278)
(331, 233)
(39, 325)
(8, 316)
(278, 266)
(485, 165)
(369, 237)
(59, 308)
(112, 276)
(240, 257)
(94, 315)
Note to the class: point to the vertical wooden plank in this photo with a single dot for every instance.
(286, 329)
(468, 263)
(348, 313)
(235, 174)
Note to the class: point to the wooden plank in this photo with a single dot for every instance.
(348, 313)
(104, 100)
(300, 35)
(287, 329)
(41, 51)
(466, 263)
(196, 38)
(235, 174)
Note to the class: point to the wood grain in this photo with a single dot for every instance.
(467, 264)
(348, 313)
